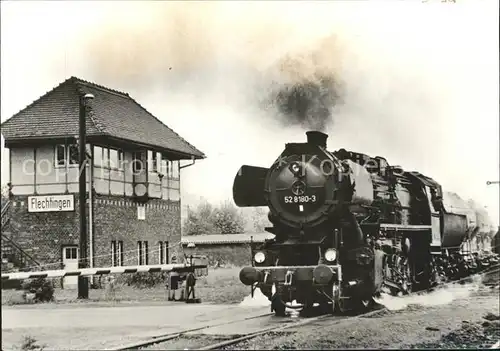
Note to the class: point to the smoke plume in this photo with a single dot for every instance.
(309, 86)
(309, 104)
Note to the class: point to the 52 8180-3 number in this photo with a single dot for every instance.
(300, 199)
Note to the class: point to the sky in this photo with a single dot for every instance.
(418, 81)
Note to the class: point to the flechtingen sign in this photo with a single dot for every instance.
(51, 203)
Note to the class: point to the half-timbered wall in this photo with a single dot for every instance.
(50, 169)
(53, 169)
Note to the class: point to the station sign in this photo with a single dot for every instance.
(51, 203)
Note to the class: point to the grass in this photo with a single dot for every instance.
(222, 285)
(29, 343)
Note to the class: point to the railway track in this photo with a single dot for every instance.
(284, 324)
(236, 338)
(174, 335)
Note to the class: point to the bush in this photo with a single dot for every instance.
(41, 287)
(145, 280)
(30, 344)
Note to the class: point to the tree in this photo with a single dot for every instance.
(260, 220)
(207, 219)
(200, 220)
(256, 219)
(228, 220)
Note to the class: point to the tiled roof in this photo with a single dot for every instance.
(226, 238)
(114, 114)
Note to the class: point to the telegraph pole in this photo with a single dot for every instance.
(83, 284)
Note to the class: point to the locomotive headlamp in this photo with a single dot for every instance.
(259, 257)
(295, 168)
(330, 255)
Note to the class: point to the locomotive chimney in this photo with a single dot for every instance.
(317, 138)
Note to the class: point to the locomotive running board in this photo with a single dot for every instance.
(404, 227)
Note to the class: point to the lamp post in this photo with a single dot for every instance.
(83, 285)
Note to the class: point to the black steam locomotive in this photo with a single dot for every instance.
(348, 227)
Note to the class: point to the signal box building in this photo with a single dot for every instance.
(133, 181)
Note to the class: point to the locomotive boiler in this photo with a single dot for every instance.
(348, 226)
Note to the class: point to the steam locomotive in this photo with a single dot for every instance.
(348, 227)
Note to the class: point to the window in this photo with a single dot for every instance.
(71, 253)
(66, 155)
(163, 252)
(166, 251)
(146, 252)
(116, 253)
(105, 158)
(60, 155)
(108, 157)
(141, 212)
(142, 253)
(174, 190)
(73, 154)
(139, 253)
(160, 253)
(137, 163)
(98, 156)
(115, 158)
(120, 252)
(151, 160)
(163, 166)
(175, 169)
(157, 162)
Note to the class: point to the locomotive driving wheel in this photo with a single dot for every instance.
(406, 280)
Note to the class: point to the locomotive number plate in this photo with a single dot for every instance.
(303, 199)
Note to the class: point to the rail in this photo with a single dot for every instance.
(20, 250)
(5, 209)
(23, 255)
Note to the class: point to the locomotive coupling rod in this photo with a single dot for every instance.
(288, 278)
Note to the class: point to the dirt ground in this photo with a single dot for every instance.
(466, 322)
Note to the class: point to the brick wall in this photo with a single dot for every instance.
(116, 219)
(42, 235)
(227, 254)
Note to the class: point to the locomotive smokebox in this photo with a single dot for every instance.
(317, 138)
